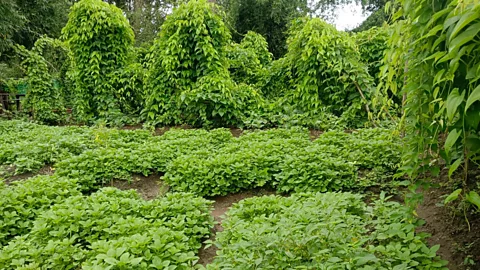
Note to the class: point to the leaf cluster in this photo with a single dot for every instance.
(100, 39)
(322, 231)
(211, 162)
(113, 229)
(434, 51)
(23, 202)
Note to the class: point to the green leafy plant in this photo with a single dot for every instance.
(100, 39)
(26, 151)
(24, 201)
(322, 230)
(45, 97)
(434, 54)
(315, 169)
(288, 161)
(326, 68)
(372, 44)
(249, 59)
(188, 79)
(94, 231)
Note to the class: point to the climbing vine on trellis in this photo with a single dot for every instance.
(100, 39)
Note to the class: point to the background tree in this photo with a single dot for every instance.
(270, 18)
(146, 16)
(22, 22)
(40, 17)
(10, 21)
(377, 17)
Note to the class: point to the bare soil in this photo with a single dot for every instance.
(149, 187)
(220, 207)
(10, 170)
(314, 134)
(236, 132)
(450, 230)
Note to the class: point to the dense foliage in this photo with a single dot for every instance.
(322, 231)
(23, 22)
(45, 69)
(249, 59)
(23, 148)
(254, 64)
(188, 81)
(372, 45)
(207, 162)
(114, 229)
(22, 202)
(435, 52)
(57, 227)
(100, 40)
(194, 73)
(326, 69)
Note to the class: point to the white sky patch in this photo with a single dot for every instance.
(349, 16)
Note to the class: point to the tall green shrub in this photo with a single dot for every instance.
(188, 78)
(45, 68)
(326, 68)
(100, 38)
(372, 44)
(249, 59)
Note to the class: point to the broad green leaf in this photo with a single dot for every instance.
(111, 261)
(473, 198)
(450, 21)
(136, 261)
(464, 21)
(474, 96)
(464, 37)
(454, 166)
(453, 101)
(451, 139)
(453, 196)
(366, 259)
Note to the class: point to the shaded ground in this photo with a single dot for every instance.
(221, 205)
(450, 231)
(10, 170)
(236, 132)
(149, 187)
(314, 134)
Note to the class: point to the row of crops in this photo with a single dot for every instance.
(70, 220)
(207, 163)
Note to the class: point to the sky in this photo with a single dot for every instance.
(349, 16)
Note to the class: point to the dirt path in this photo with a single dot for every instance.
(149, 187)
(46, 170)
(220, 207)
(450, 231)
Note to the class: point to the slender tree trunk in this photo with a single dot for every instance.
(137, 14)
